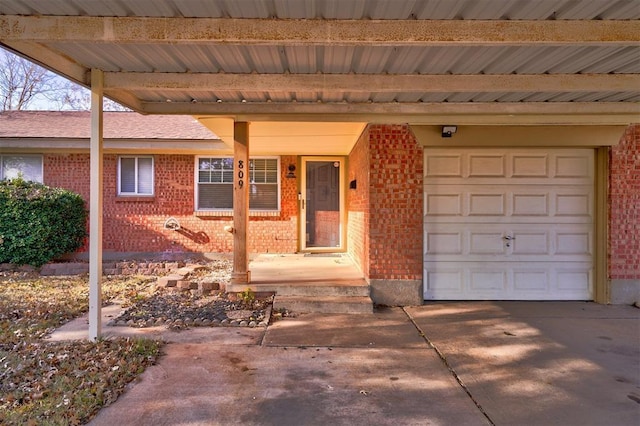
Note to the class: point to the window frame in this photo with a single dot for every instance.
(230, 210)
(40, 156)
(136, 193)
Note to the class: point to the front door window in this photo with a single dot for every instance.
(322, 206)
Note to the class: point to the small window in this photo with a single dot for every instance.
(135, 176)
(215, 183)
(27, 167)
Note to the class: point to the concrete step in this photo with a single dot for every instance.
(324, 304)
(313, 289)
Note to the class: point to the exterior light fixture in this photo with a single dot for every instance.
(292, 169)
(448, 131)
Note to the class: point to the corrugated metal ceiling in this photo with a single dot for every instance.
(351, 58)
(334, 9)
(355, 59)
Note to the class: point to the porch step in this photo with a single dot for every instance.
(357, 288)
(324, 304)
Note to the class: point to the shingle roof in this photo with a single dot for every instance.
(117, 125)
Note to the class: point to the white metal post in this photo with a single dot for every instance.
(95, 207)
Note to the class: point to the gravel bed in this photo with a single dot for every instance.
(182, 310)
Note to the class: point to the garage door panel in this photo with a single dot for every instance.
(483, 165)
(515, 203)
(508, 224)
(571, 279)
(443, 242)
(531, 280)
(443, 204)
(530, 204)
(444, 281)
(572, 204)
(488, 279)
(530, 242)
(574, 165)
(498, 281)
(530, 165)
(573, 243)
(480, 242)
(443, 165)
(485, 204)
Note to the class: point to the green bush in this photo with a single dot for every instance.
(39, 223)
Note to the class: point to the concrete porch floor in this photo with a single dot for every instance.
(271, 271)
(318, 282)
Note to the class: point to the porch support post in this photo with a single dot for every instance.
(95, 207)
(241, 274)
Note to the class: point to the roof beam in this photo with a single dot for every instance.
(387, 83)
(477, 113)
(50, 60)
(315, 32)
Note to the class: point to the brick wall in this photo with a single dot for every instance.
(358, 203)
(136, 224)
(624, 207)
(396, 207)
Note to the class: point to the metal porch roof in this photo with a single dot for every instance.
(415, 61)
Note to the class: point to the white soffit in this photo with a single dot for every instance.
(291, 138)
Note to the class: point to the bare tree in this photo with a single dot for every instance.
(22, 82)
(25, 85)
(76, 98)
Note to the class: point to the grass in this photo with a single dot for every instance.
(62, 383)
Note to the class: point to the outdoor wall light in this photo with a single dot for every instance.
(172, 224)
(292, 169)
(448, 131)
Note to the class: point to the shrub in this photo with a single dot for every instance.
(39, 223)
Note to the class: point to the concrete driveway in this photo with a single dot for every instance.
(511, 363)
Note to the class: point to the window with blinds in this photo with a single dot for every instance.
(27, 167)
(135, 176)
(215, 179)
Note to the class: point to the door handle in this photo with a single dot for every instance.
(508, 239)
(302, 203)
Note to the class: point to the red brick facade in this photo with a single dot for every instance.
(386, 208)
(624, 207)
(385, 217)
(136, 224)
(358, 203)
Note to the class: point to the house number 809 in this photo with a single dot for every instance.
(240, 173)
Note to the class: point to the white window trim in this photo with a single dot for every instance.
(2, 177)
(227, 212)
(153, 176)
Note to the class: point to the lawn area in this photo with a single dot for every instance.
(62, 383)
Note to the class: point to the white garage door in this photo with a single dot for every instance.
(508, 224)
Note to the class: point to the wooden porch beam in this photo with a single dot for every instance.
(316, 32)
(372, 83)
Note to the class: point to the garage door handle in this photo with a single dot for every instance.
(508, 239)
